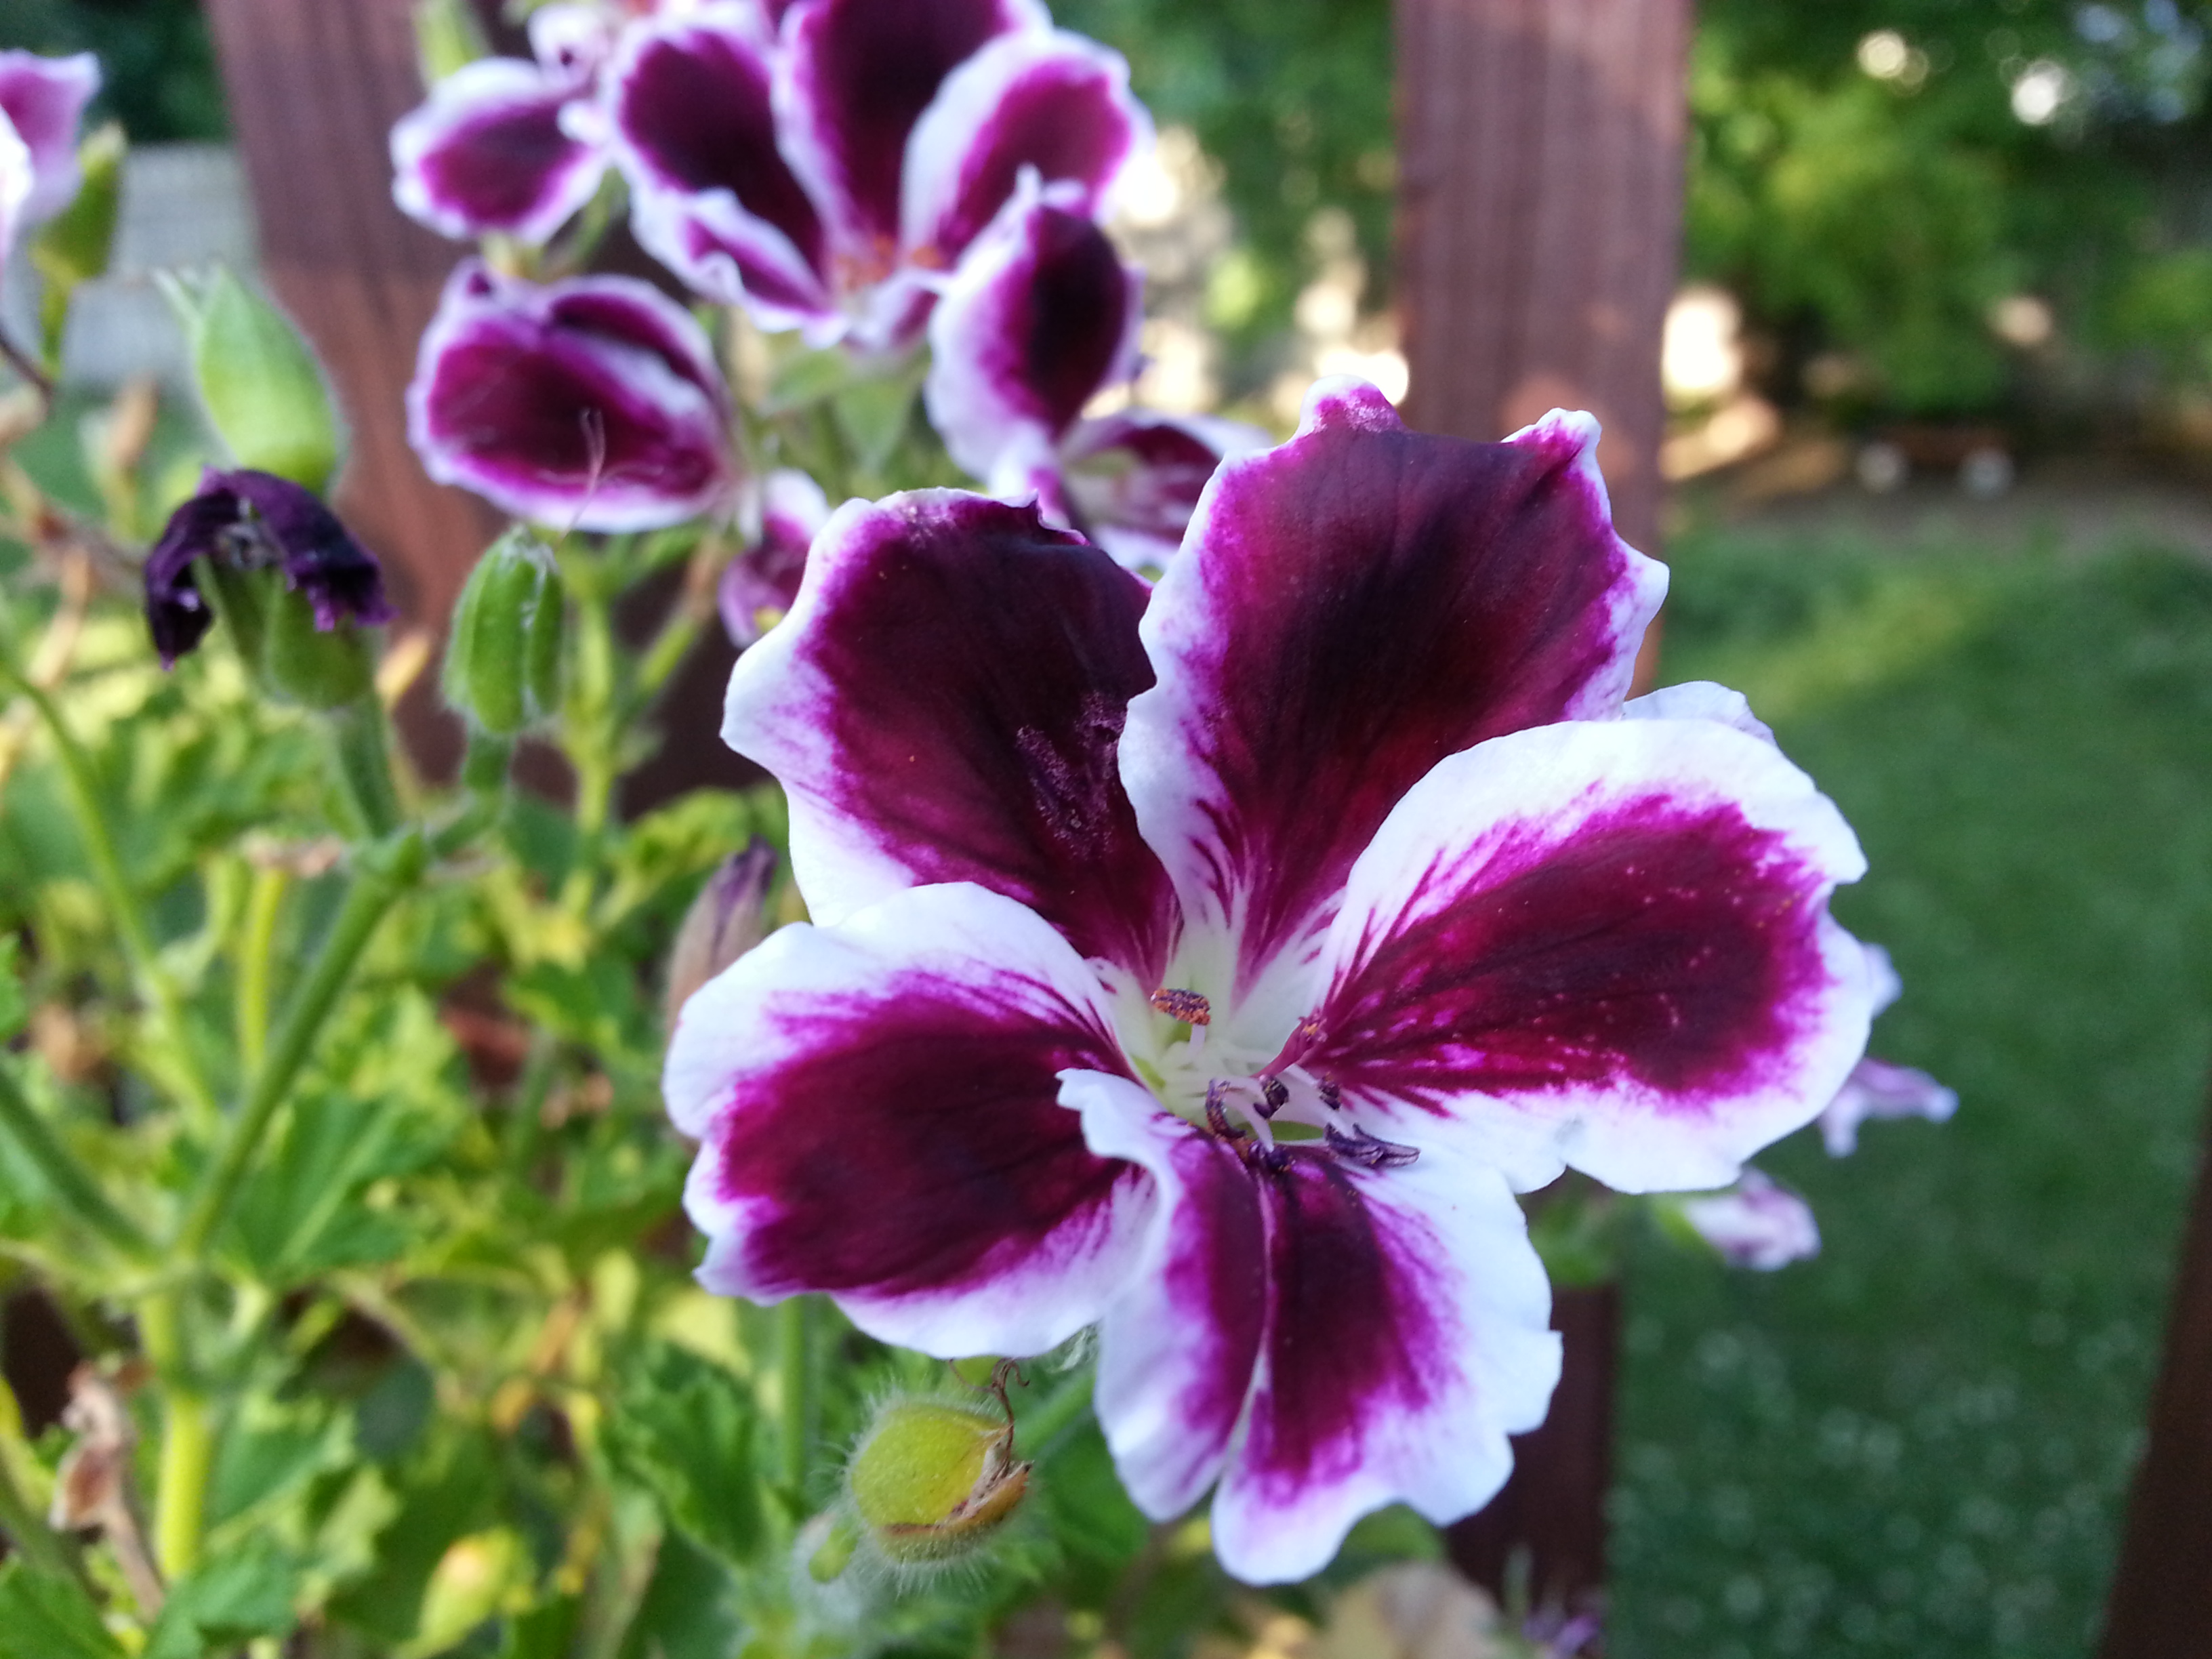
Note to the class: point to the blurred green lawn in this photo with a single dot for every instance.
(1920, 1444)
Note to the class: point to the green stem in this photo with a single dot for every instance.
(526, 1133)
(362, 762)
(73, 1185)
(1056, 1413)
(590, 734)
(187, 1438)
(798, 1320)
(668, 650)
(257, 965)
(154, 984)
(42, 1546)
(373, 893)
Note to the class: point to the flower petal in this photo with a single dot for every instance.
(44, 99)
(319, 555)
(1041, 314)
(488, 152)
(854, 78)
(1332, 1337)
(877, 1105)
(1755, 1224)
(942, 704)
(1698, 700)
(761, 582)
(593, 402)
(1052, 102)
(689, 103)
(1604, 944)
(15, 187)
(1879, 1088)
(1347, 610)
(1134, 478)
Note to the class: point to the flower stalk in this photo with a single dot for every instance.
(73, 1185)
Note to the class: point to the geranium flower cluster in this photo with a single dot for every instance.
(865, 172)
(1212, 963)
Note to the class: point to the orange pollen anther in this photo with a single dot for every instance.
(1188, 1007)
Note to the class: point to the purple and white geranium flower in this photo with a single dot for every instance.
(1212, 962)
(760, 584)
(42, 103)
(510, 145)
(594, 402)
(1042, 317)
(826, 174)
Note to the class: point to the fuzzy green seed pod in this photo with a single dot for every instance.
(503, 656)
(934, 1479)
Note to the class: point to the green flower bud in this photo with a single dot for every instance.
(934, 1479)
(289, 654)
(259, 380)
(504, 655)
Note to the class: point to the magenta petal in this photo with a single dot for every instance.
(1880, 1088)
(1331, 1338)
(1134, 479)
(1603, 944)
(594, 402)
(761, 582)
(488, 152)
(855, 76)
(877, 1105)
(942, 704)
(43, 99)
(1041, 314)
(1347, 610)
(1051, 103)
(688, 101)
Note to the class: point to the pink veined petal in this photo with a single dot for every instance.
(1755, 1224)
(44, 99)
(1603, 943)
(854, 77)
(488, 152)
(593, 402)
(1347, 610)
(1041, 314)
(1047, 102)
(1331, 1338)
(688, 100)
(1698, 700)
(761, 582)
(1134, 478)
(942, 704)
(1879, 1088)
(877, 1109)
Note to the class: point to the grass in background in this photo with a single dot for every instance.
(1920, 1444)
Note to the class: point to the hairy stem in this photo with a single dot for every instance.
(257, 965)
(154, 983)
(187, 1437)
(798, 1319)
(79, 1194)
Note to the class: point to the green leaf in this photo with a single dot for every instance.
(231, 1598)
(43, 1617)
(873, 415)
(269, 1450)
(75, 246)
(689, 1610)
(259, 380)
(803, 380)
(302, 1212)
(15, 1010)
(546, 1632)
(683, 1428)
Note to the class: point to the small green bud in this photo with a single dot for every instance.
(934, 1479)
(73, 247)
(257, 378)
(503, 654)
(273, 627)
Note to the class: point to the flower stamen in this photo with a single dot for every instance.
(1361, 1148)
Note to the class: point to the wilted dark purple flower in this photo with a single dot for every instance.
(594, 402)
(1040, 319)
(246, 520)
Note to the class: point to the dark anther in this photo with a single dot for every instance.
(1187, 1006)
(1362, 1148)
(1332, 1094)
(1217, 1116)
(1274, 1095)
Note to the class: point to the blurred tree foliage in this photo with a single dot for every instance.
(159, 67)
(1871, 176)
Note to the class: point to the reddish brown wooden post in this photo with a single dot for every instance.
(313, 89)
(2162, 1598)
(1539, 156)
